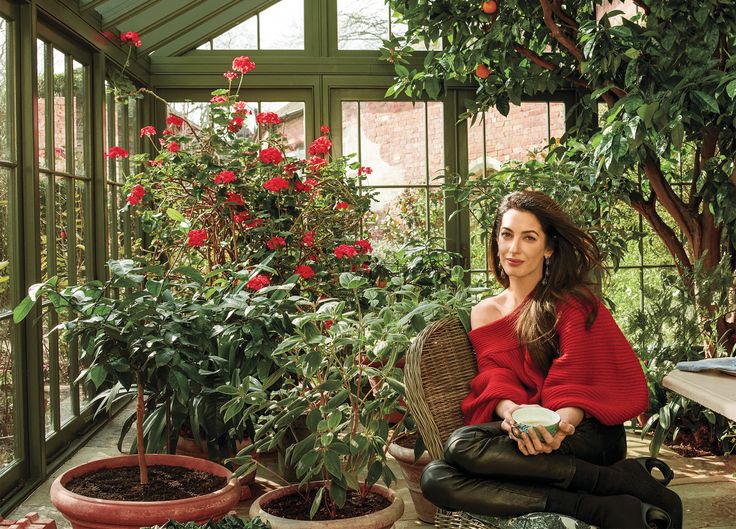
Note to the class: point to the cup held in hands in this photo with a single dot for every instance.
(534, 417)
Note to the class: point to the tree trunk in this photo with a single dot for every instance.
(139, 414)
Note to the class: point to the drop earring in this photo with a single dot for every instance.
(545, 276)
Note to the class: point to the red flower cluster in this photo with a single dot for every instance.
(276, 184)
(316, 163)
(136, 194)
(235, 124)
(234, 198)
(241, 107)
(174, 121)
(328, 324)
(275, 242)
(321, 145)
(258, 282)
(253, 224)
(218, 99)
(324, 129)
(241, 217)
(148, 130)
(268, 118)
(173, 147)
(116, 152)
(130, 37)
(306, 186)
(243, 64)
(364, 246)
(364, 170)
(308, 238)
(345, 251)
(230, 76)
(270, 155)
(225, 177)
(342, 205)
(305, 271)
(196, 237)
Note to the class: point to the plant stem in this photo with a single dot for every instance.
(139, 413)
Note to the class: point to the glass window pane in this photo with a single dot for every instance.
(41, 118)
(519, 136)
(59, 80)
(80, 231)
(294, 127)
(4, 115)
(112, 223)
(50, 347)
(556, 120)
(282, 26)
(477, 246)
(399, 29)
(80, 120)
(436, 142)
(393, 142)
(477, 166)
(397, 216)
(437, 216)
(5, 303)
(244, 36)
(655, 251)
(133, 126)
(624, 290)
(349, 127)
(7, 395)
(361, 25)
(43, 192)
(194, 112)
(61, 222)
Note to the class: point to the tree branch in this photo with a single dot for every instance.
(643, 6)
(541, 61)
(567, 19)
(669, 199)
(557, 33)
(694, 202)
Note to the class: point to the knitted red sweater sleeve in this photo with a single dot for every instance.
(597, 369)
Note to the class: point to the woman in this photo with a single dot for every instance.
(547, 340)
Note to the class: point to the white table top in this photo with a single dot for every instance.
(713, 389)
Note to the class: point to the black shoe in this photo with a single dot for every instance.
(650, 463)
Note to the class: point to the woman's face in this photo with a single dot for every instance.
(522, 245)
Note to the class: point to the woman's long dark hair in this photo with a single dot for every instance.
(574, 269)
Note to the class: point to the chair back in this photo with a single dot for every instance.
(439, 366)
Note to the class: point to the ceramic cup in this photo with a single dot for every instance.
(534, 417)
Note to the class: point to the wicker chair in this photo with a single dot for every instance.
(439, 365)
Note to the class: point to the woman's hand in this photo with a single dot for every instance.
(539, 440)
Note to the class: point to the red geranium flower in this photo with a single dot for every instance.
(235, 124)
(241, 217)
(268, 118)
(130, 37)
(243, 64)
(321, 145)
(174, 121)
(116, 152)
(328, 324)
(258, 282)
(230, 76)
(324, 129)
(363, 246)
(276, 184)
(253, 224)
(316, 163)
(308, 238)
(148, 130)
(364, 170)
(234, 198)
(291, 167)
(136, 194)
(275, 242)
(173, 147)
(345, 251)
(225, 177)
(241, 107)
(342, 205)
(270, 155)
(196, 237)
(218, 99)
(305, 271)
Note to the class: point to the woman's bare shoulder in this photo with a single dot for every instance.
(486, 311)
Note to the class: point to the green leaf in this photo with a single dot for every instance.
(332, 463)
(678, 134)
(175, 215)
(706, 100)
(22, 310)
(731, 89)
(316, 503)
(338, 493)
(97, 375)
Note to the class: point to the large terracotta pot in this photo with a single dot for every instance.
(412, 473)
(186, 446)
(384, 519)
(92, 513)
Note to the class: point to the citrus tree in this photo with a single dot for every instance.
(655, 91)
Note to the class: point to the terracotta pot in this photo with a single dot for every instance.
(383, 519)
(412, 473)
(186, 446)
(92, 513)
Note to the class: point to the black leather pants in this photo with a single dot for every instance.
(484, 472)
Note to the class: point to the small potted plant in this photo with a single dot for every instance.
(140, 332)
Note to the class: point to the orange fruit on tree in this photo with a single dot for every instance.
(490, 7)
(482, 71)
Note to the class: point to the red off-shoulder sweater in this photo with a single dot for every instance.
(596, 370)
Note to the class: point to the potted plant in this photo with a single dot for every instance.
(141, 331)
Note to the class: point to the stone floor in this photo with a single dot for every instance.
(707, 485)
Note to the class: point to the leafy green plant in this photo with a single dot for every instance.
(337, 346)
(228, 522)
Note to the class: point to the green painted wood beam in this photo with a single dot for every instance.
(89, 30)
(119, 16)
(201, 13)
(146, 22)
(91, 4)
(218, 24)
